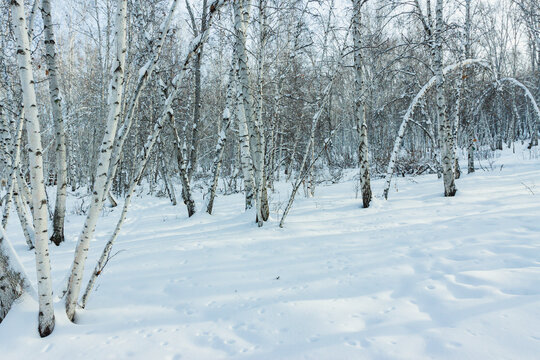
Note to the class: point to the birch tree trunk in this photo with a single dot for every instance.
(35, 154)
(24, 217)
(246, 162)
(187, 196)
(457, 123)
(114, 102)
(259, 120)
(226, 120)
(197, 106)
(256, 134)
(447, 148)
(409, 113)
(359, 111)
(14, 162)
(145, 75)
(144, 156)
(54, 93)
(468, 75)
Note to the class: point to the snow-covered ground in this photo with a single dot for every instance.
(418, 276)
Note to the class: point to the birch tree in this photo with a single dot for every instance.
(193, 151)
(35, 154)
(359, 111)
(256, 133)
(447, 148)
(144, 156)
(467, 84)
(114, 101)
(56, 106)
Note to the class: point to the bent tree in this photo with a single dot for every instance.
(115, 102)
(410, 111)
(359, 103)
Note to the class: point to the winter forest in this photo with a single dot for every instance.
(270, 179)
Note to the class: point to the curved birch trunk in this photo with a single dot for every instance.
(115, 100)
(409, 113)
(145, 74)
(56, 106)
(167, 114)
(39, 199)
(533, 124)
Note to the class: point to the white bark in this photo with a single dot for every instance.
(245, 153)
(409, 113)
(147, 149)
(39, 199)
(13, 161)
(445, 125)
(468, 74)
(359, 111)
(256, 133)
(114, 102)
(24, 217)
(529, 95)
(456, 124)
(193, 152)
(55, 99)
(226, 120)
(145, 74)
(187, 196)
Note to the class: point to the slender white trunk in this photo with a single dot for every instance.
(14, 162)
(468, 79)
(187, 196)
(35, 154)
(256, 134)
(226, 120)
(246, 162)
(359, 111)
(54, 92)
(143, 158)
(145, 74)
(457, 119)
(447, 148)
(193, 151)
(24, 216)
(114, 102)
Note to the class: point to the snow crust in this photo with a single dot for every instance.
(418, 276)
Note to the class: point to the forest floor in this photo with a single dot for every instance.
(418, 276)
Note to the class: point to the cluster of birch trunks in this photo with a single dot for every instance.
(271, 113)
